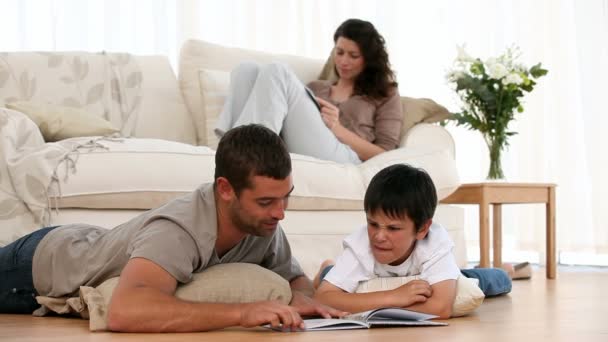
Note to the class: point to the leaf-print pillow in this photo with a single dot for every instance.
(62, 122)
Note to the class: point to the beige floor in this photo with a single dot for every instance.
(574, 307)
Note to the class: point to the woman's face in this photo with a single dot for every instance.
(348, 59)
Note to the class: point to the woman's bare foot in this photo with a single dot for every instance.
(317, 281)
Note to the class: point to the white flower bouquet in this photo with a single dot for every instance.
(490, 92)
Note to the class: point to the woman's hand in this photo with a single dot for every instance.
(330, 114)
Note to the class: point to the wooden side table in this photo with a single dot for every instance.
(497, 194)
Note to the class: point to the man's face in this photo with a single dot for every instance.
(392, 240)
(258, 209)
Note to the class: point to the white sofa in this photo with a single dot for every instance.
(172, 149)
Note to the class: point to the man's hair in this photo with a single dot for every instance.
(251, 150)
(377, 78)
(402, 190)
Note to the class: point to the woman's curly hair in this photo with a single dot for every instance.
(377, 78)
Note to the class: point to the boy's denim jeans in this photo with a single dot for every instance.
(492, 281)
(17, 292)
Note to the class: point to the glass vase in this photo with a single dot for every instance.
(495, 148)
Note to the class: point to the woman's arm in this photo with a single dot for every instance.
(417, 291)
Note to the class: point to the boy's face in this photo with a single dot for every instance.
(392, 240)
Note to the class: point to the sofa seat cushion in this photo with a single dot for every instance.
(146, 173)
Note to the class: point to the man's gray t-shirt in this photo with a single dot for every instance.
(179, 237)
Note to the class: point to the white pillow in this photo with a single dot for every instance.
(468, 294)
(214, 85)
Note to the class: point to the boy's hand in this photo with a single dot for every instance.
(416, 291)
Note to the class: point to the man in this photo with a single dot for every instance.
(235, 219)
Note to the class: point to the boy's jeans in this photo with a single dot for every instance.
(492, 281)
(17, 292)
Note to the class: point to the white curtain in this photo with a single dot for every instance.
(560, 131)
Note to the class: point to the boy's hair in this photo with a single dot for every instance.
(251, 150)
(402, 190)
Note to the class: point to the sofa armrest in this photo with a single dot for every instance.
(424, 134)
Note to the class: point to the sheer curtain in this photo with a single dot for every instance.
(560, 131)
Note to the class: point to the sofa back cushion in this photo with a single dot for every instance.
(198, 55)
(137, 95)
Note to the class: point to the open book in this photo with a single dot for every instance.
(372, 318)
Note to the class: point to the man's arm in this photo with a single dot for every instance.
(416, 291)
(144, 301)
(303, 285)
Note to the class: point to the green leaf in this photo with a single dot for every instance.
(477, 68)
(537, 71)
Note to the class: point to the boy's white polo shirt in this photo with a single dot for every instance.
(432, 260)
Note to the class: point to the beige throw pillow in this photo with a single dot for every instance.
(223, 283)
(416, 111)
(468, 295)
(61, 122)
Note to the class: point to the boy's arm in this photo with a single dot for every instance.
(417, 291)
(440, 303)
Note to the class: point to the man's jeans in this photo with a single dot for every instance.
(492, 281)
(17, 292)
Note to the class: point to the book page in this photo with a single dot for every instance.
(333, 324)
(399, 314)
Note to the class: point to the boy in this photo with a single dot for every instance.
(401, 240)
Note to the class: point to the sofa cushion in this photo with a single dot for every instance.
(137, 94)
(60, 122)
(163, 114)
(214, 86)
(172, 169)
(196, 55)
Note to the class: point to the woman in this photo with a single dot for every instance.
(347, 121)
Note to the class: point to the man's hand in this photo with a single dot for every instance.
(275, 313)
(307, 306)
(416, 291)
